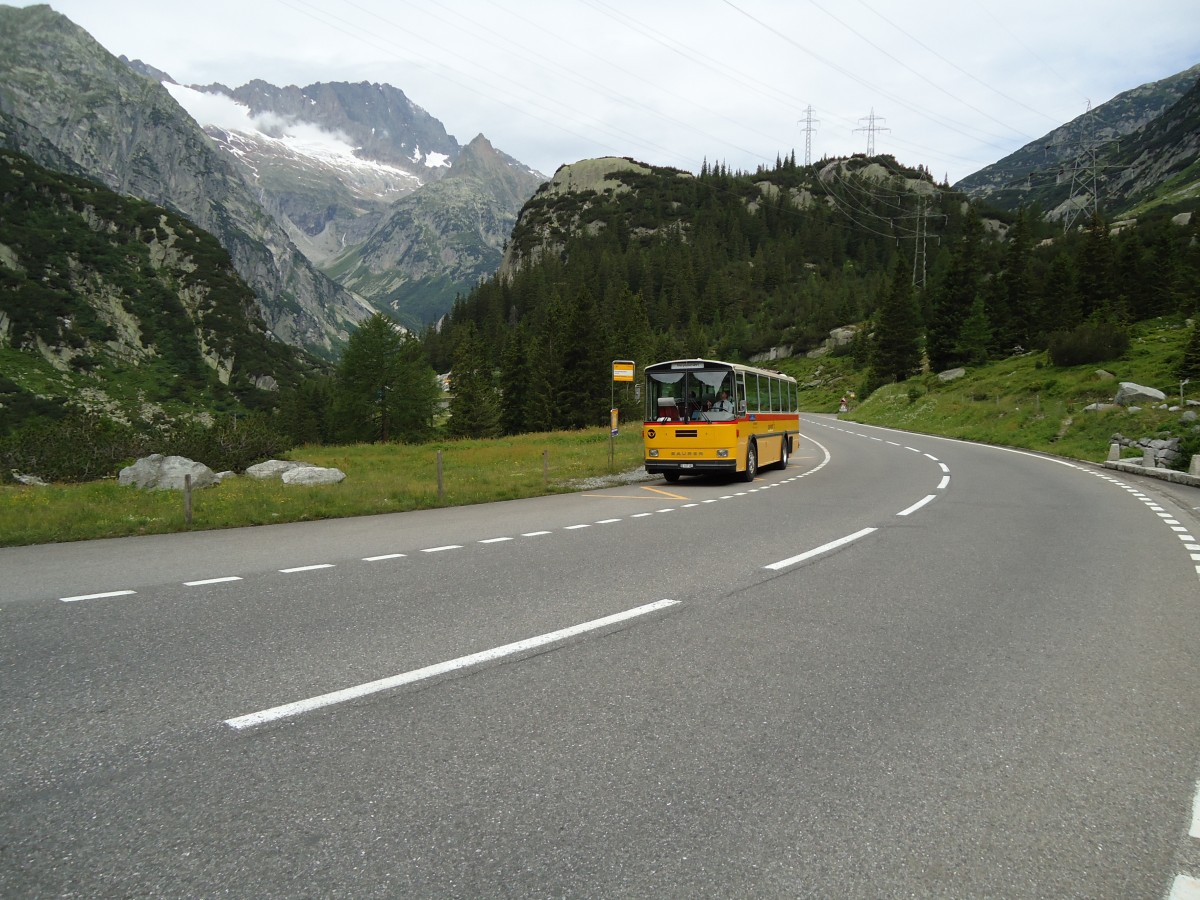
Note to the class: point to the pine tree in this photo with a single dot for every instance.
(1189, 366)
(975, 336)
(474, 406)
(953, 294)
(1096, 267)
(515, 383)
(417, 394)
(1012, 319)
(384, 390)
(581, 396)
(1060, 309)
(896, 352)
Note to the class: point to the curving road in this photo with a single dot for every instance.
(903, 667)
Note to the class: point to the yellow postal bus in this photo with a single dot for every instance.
(710, 417)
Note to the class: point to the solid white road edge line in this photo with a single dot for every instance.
(373, 687)
(824, 548)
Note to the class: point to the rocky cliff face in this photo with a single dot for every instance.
(1047, 171)
(439, 241)
(129, 309)
(125, 131)
(1159, 163)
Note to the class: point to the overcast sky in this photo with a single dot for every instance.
(950, 84)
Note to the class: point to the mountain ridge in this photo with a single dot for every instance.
(384, 186)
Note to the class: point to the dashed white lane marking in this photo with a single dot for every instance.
(389, 556)
(824, 548)
(1184, 887)
(1194, 831)
(96, 596)
(922, 502)
(373, 687)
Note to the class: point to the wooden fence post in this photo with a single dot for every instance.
(187, 500)
(441, 483)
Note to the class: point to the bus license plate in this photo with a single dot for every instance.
(686, 465)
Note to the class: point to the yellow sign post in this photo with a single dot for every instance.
(622, 370)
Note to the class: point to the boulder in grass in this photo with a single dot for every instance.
(166, 473)
(1130, 394)
(307, 475)
(274, 468)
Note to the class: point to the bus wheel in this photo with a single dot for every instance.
(751, 462)
(671, 477)
(785, 452)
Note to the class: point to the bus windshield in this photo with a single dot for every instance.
(690, 393)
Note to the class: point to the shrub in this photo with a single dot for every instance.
(229, 444)
(79, 447)
(1091, 342)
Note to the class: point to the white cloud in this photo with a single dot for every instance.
(957, 84)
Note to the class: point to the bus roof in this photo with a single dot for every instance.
(698, 363)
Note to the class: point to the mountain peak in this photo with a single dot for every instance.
(480, 159)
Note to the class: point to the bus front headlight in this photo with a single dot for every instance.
(653, 453)
(723, 453)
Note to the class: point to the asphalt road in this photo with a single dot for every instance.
(903, 667)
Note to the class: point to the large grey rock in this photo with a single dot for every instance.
(1129, 393)
(166, 473)
(274, 468)
(951, 374)
(307, 475)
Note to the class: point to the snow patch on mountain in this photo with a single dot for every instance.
(291, 138)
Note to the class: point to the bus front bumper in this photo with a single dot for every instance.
(690, 467)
